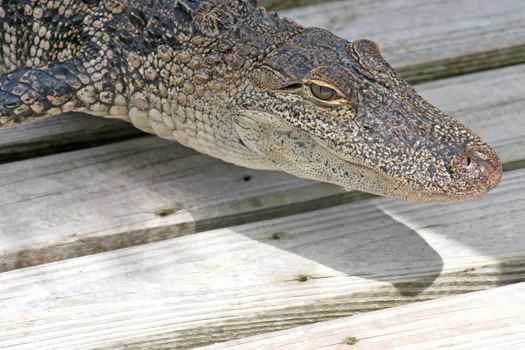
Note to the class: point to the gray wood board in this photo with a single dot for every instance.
(487, 320)
(66, 132)
(270, 275)
(147, 189)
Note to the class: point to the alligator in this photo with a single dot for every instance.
(239, 83)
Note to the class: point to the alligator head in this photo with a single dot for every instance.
(331, 110)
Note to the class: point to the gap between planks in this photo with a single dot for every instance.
(230, 283)
(275, 5)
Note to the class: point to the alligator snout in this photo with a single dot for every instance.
(481, 166)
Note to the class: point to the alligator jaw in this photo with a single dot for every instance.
(400, 189)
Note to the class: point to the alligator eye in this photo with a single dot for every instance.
(322, 92)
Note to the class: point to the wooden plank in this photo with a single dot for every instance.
(429, 39)
(493, 319)
(423, 39)
(265, 276)
(148, 189)
(63, 133)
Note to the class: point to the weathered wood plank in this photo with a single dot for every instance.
(423, 39)
(229, 283)
(429, 39)
(61, 134)
(148, 189)
(493, 319)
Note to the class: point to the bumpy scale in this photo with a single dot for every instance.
(241, 84)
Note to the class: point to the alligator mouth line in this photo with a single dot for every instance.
(394, 187)
(399, 189)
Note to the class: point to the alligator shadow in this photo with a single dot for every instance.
(368, 244)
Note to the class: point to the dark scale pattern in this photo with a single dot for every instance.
(241, 84)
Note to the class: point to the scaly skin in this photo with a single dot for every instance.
(242, 85)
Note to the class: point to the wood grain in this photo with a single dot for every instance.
(270, 275)
(492, 319)
(423, 39)
(147, 189)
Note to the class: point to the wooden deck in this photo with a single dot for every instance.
(110, 239)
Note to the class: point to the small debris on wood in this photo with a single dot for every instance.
(351, 340)
(303, 278)
(167, 211)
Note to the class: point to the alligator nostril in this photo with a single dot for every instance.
(476, 160)
(468, 161)
(481, 165)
